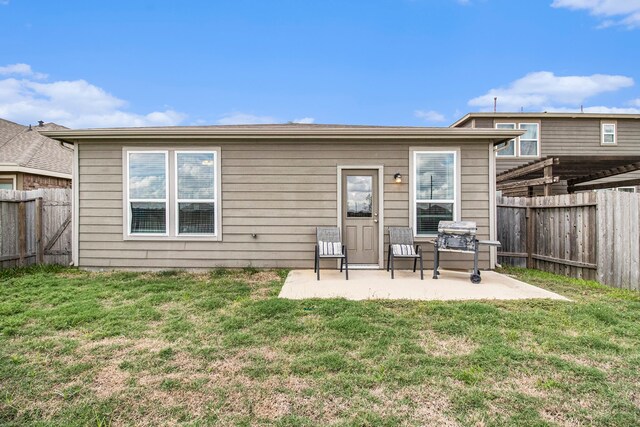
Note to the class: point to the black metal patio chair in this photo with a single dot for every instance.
(329, 245)
(401, 246)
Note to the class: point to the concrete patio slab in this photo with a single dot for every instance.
(377, 284)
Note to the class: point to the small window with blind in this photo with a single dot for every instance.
(434, 191)
(608, 133)
(172, 194)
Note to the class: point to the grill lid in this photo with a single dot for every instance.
(457, 227)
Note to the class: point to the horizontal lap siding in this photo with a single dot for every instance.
(280, 192)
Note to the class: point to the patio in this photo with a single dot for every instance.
(377, 284)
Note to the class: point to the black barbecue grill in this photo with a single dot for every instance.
(459, 236)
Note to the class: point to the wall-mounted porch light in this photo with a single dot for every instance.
(397, 177)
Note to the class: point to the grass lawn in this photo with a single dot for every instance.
(80, 348)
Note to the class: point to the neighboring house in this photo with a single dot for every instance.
(234, 196)
(30, 160)
(561, 134)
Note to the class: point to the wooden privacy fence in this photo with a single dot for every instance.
(35, 227)
(584, 235)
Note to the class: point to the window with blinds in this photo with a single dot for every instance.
(147, 186)
(172, 194)
(434, 191)
(196, 192)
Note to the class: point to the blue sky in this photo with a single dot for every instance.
(384, 62)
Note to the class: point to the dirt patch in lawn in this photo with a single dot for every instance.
(446, 346)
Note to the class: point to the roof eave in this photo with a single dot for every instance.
(77, 136)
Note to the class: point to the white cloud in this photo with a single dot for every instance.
(635, 102)
(429, 116)
(613, 12)
(304, 120)
(596, 109)
(542, 89)
(238, 118)
(21, 70)
(75, 104)
(4, 2)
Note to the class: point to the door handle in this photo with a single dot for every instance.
(375, 220)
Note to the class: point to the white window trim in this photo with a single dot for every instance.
(12, 178)
(413, 215)
(514, 141)
(129, 200)
(171, 195)
(177, 201)
(520, 139)
(602, 133)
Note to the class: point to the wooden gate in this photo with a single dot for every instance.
(35, 227)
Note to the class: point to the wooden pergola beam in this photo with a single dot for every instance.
(604, 174)
(528, 183)
(605, 185)
(524, 170)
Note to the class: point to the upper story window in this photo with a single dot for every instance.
(527, 145)
(172, 194)
(435, 196)
(608, 131)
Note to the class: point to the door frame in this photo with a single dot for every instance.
(380, 169)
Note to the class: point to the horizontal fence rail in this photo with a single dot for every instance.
(35, 227)
(586, 235)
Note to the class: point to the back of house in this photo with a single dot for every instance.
(237, 196)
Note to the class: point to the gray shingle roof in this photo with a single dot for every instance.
(22, 147)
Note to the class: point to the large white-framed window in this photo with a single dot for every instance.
(510, 149)
(526, 145)
(147, 183)
(172, 193)
(196, 193)
(435, 191)
(608, 132)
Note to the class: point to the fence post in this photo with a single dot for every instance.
(38, 231)
(22, 233)
(530, 236)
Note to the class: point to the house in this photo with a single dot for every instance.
(234, 196)
(30, 160)
(584, 136)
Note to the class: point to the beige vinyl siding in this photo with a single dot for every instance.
(279, 191)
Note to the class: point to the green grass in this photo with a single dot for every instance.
(105, 349)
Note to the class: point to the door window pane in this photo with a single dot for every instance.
(359, 196)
